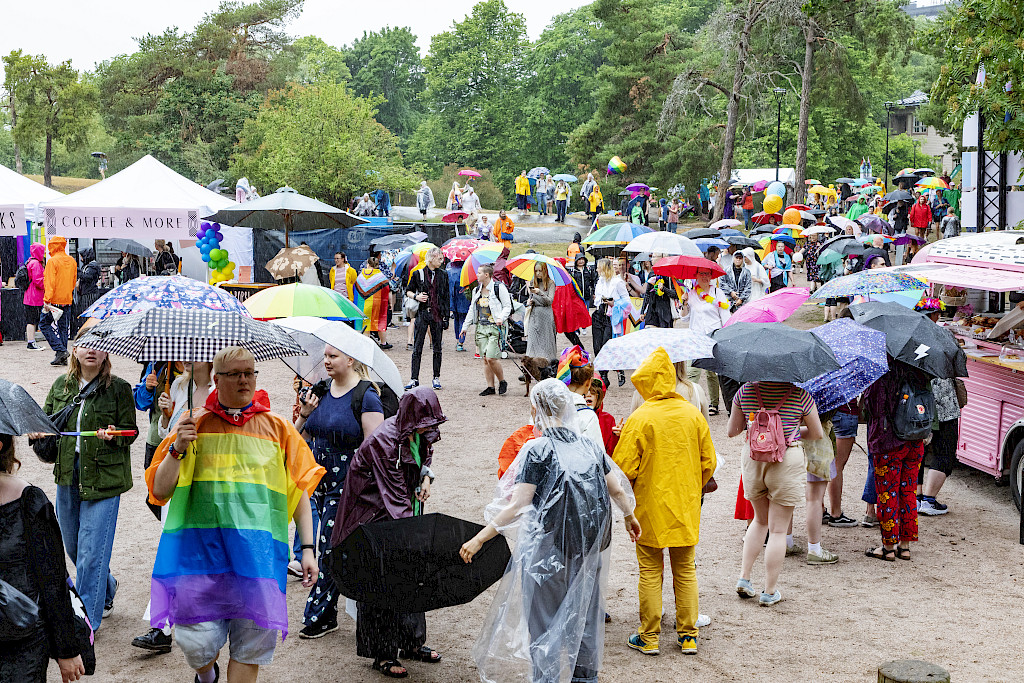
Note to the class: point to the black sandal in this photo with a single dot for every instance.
(880, 553)
(424, 654)
(712, 410)
(903, 553)
(388, 666)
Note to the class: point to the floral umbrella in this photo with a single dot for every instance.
(459, 248)
(163, 291)
(869, 282)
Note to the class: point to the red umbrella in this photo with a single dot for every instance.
(454, 217)
(763, 218)
(798, 207)
(686, 267)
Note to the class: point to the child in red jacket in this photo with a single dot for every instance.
(595, 399)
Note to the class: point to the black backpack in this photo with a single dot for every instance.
(388, 399)
(912, 419)
(21, 279)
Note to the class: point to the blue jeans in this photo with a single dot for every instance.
(458, 317)
(87, 527)
(673, 227)
(560, 206)
(542, 203)
(869, 495)
(748, 218)
(58, 340)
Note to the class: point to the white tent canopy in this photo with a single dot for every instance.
(749, 176)
(145, 201)
(19, 200)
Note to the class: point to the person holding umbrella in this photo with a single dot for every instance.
(428, 288)
(657, 307)
(233, 592)
(556, 497)
(389, 477)
(709, 311)
(337, 427)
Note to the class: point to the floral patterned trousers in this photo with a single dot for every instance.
(896, 486)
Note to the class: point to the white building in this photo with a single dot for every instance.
(938, 148)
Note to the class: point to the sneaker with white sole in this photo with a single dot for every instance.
(932, 508)
(636, 642)
(769, 599)
(688, 644)
(745, 590)
(320, 630)
(842, 521)
(826, 557)
(703, 620)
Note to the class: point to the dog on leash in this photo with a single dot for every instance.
(536, 368)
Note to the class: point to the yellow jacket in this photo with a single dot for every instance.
(666, 452)
(595, 198)
(350, 279)
(522, 185)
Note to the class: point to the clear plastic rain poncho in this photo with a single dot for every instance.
(546, 623)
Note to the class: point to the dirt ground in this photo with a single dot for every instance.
(958, 603)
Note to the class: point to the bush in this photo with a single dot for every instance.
(491, 198)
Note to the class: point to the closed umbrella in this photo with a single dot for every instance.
(314, 334)
(913, 338)
(286, 210)
(768, 352)
(771, 308)
(629, 351)
(861, 352)
(20, 414)
(413, 565)
(298, 298)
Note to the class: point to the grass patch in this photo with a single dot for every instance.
(66, 185)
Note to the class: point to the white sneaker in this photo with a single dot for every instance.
(703, 620)
(926, 507)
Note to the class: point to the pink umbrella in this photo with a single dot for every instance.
(759, 186)
(469, 172)
(773, 308)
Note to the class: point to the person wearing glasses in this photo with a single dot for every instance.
(232, 475)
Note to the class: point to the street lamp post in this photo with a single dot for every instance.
(780, 94)
(888, 110)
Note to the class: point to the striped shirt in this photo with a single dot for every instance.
(792, 411)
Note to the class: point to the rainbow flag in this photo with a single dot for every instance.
(371, 296)
(223, 553)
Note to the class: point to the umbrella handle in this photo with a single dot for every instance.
(167, 388)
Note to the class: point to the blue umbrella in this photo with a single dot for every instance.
(785, 239)
(731, 232)
(538, 171)
(567, 177)
(706, 243)
(860, 351)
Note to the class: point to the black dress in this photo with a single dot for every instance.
(32, 560)
(657, 307)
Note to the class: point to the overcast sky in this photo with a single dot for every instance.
(88, 32)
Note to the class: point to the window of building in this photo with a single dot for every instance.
(919, 127)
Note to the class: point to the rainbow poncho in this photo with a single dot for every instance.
(223, 553)
(371, 296)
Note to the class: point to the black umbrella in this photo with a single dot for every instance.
(398, 241)
(20, 414)
(913, 338)
(765, 229)
(768, 352)
(741, 241)
(817, 212)
(413, 564)
(846, 180)
(286, 210)
(701, 233)
(907, 177)
(898, 196)
(128, 247)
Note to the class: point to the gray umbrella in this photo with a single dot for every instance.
(286, 210)
(742, 242)
(753, 352)
(20, 414)
(128, 247)
(701, 233)
(398, 241)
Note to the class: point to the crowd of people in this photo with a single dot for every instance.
(230, 475)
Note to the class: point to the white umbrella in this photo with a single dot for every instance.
(629, 351)
(667, 243)
(313, 334)
(818, 229)
(725, 223)
(843, 222)
(808, 216)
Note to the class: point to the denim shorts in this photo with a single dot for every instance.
(845, 425)
(249, 644)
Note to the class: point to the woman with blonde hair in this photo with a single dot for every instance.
(337, 421)
(454, 198)
(609, 293)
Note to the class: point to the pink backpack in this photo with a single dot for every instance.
(765, 433)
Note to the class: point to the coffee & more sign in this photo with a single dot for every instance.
(130, 223)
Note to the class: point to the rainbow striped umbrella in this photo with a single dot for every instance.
(288, 301)
(933, 183)
(488, 252)
(616, 234)
(522, 267)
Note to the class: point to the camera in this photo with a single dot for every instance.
(319, 390)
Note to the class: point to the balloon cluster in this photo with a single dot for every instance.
(616, 166)
(773, 195)
(209, 237)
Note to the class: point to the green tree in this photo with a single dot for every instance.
(17, 70)
(56, 104)
(322, 141)
(476, 74)
(388, 63)
(983, 35)
(318, 62)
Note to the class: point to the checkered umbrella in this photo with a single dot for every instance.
(190, 336)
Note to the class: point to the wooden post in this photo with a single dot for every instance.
(912, 671)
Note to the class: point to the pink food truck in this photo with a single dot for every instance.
(982, 274)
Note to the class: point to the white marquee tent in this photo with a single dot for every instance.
(19, 200)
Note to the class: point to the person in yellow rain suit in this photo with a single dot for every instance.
(666, 453)
(522, 191)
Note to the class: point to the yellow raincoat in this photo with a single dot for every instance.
(666, 452)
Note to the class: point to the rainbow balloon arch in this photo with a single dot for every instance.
(208, 239)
